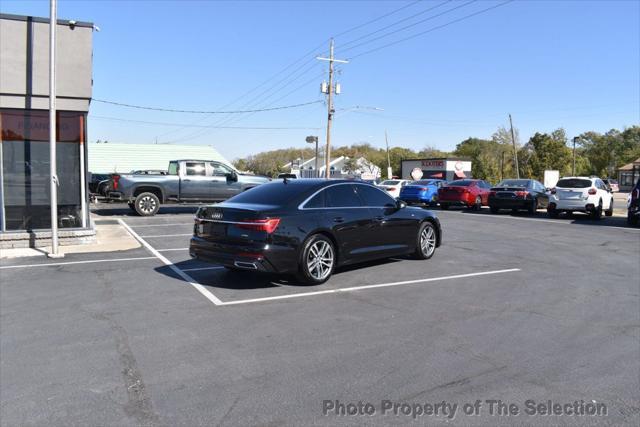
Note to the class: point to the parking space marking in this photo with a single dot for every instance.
(202, 268)
(163, 225)
(552, 221)
(204, 291)
(359, 288)
(173, 249)
(90, 261)
(168, 235)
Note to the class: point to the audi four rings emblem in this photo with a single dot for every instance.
(216, 215)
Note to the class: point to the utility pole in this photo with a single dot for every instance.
(515, 149)
(502, 167)
(330, 110)
(389, 170)
(53, 185)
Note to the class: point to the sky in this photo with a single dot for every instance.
(551, 64)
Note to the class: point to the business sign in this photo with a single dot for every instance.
(433, 164)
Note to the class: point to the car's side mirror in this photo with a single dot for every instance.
(232, 176)
(400, 204)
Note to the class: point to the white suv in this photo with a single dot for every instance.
(581, 194)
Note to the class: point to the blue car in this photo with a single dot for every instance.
(421, 192)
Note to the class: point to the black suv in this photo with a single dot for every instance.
(633, 212)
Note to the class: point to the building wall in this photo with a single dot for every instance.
(430, 167)
(24, 69)
(124, 158)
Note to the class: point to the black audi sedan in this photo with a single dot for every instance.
(516, 194)
(308, 227)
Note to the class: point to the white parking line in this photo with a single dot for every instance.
(173, 249)
(76, 262)
(204, 291)
(168, 235)
(163, 225)
(359, 288)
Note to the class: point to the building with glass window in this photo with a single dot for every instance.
(24, 121)
(628, 175)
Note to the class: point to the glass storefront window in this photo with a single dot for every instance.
(25, 163)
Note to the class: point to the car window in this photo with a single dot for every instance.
(460, 183)
(574, 183)
(374, 197)
(272, 193)
(173, 168)
(218, 169)
(195, 169)
(513, 183)
(342, 196)
(317, 201)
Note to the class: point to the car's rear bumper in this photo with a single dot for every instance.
(496, 202)
(264, 258)
(580, 205)
(454, 202)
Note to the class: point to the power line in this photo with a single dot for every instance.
(119, 119)
(376, 19)
(431, 29)
(141, 107)
(390, 33)
(342, 45)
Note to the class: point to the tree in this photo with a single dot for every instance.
(547, 152)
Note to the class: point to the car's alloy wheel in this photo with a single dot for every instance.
(531, 210)
(317, 261)
(427, 241)
(147, 204)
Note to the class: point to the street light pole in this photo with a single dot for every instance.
(575, 139)
(311, 140)
(53, 185)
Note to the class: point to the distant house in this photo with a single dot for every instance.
(107, 157)
(340, 167)
(628, 175)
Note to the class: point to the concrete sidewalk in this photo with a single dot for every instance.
(110, 237)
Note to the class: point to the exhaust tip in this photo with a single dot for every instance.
(247, 265)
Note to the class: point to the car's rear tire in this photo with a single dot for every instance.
(609, 212)
(426, 242)
(317, 260)
(533, 207)
(147, 204)
(477, 204)
(553, 213)
(494, 209)
(444, 206)
(596, 213)
(632, 219)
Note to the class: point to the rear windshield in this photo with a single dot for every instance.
(277, 193)
(514, 183)
(389, 182)
(460, 183)
(574, 183)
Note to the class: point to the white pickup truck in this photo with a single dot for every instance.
(186, 181)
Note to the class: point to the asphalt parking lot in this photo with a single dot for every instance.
(511, 308)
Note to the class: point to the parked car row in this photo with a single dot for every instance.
(590, 195)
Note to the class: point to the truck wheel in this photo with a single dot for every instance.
(147, 204)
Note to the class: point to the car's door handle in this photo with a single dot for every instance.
(379, 218)
(186, 180)
(338, 219)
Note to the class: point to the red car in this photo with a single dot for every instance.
(472, 193)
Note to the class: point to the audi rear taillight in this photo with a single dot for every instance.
(115, 178)
(592, 191)
(522, 193)
(268, 225)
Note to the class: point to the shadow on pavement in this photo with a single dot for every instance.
(238, 280)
